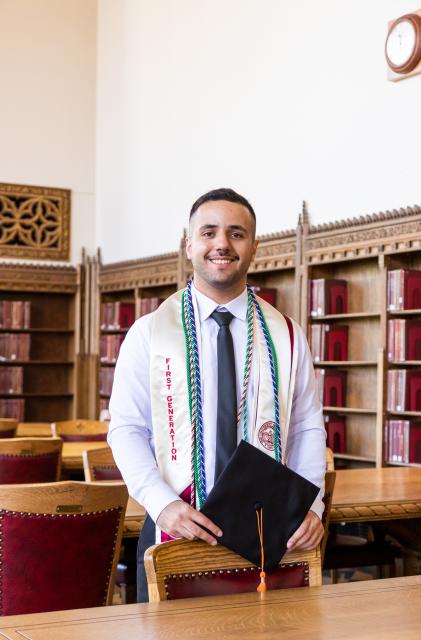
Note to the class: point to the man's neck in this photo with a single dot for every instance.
(221, 296)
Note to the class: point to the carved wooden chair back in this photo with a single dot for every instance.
(80, 430)
(186, 569)
(99, 464)
(60, 545)
(34, 430)
(24, 460)
(8, 427)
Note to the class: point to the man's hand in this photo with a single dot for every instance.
(180, 520)
(308, 535)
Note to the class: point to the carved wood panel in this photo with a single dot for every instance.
(34, 222)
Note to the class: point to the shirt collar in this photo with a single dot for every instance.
(206, 306)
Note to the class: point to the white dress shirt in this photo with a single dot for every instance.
(131, 434)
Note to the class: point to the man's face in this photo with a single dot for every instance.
(221, 246)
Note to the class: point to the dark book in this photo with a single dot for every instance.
(335, 388)
(335, 433)
(336, 342)
(328, 296)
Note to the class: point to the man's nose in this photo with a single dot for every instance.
(222, 242)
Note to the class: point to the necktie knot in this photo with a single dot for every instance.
(222, 318)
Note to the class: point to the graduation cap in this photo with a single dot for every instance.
(258, 503)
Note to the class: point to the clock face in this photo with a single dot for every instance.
(401, 43)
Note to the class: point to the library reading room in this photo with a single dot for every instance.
(245, 175)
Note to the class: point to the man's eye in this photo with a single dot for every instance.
(236, 234)
(208, 234)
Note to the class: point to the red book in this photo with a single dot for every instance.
(335, 388)
(336, 342)
(266, 294)
(125, 315)
(413, 390)
(413, 339)
(328, 296)
(404, 291)
(415, 442)
(335, 430)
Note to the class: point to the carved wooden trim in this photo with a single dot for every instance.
(34, 222)
(367, 512)
(38, 277)
(145, 272)
(367, 236)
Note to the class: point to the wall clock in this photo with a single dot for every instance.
(403, 44)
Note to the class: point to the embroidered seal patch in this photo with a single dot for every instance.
(266, 435)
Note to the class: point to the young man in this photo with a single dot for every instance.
(169, 400)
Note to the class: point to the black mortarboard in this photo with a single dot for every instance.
(252, 483)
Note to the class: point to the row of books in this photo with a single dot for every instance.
(403, 390)
(15, 346)
(117, 315)
(121, 315)
(12, 408)
(331, 386)
(11, 380)
(109, 346)
(402, 441)
(403, 289)
(403, 340)
(106, 377)
(329, 342)
(328, 296)
(15, 314)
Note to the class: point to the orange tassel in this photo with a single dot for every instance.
(262, 586)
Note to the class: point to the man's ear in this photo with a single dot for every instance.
(255, 245)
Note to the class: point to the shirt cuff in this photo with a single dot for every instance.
(318, 506)
(157, 497)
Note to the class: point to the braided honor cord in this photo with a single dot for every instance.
(273, 362)
(195, 387)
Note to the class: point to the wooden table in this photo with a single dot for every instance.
(386, 609)
(133, 520)
(366, 495)
(72, 453)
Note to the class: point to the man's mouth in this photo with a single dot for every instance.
(222, 259)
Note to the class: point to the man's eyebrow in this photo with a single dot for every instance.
(235, 227)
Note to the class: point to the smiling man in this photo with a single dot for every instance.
(193, 379)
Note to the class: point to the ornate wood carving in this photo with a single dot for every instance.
(385, 232)
(276, 251)
(367, 512)
(38, 277)
(145, 272)
(34, 222)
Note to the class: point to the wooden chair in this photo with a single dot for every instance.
(8, 427)
(34, 430)
(59, 545)
(25, 460)
(330, 460)
(187, 569)
(99, 464)
(330, 477)
(80, 430)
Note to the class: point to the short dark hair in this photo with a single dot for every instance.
(223, 194)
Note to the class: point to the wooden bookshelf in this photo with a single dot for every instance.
(362, 251)
(49, 376)
(132, 282)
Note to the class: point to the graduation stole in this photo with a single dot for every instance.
(176, 386)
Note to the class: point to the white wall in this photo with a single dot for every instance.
(47, 105)
(283, 100)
